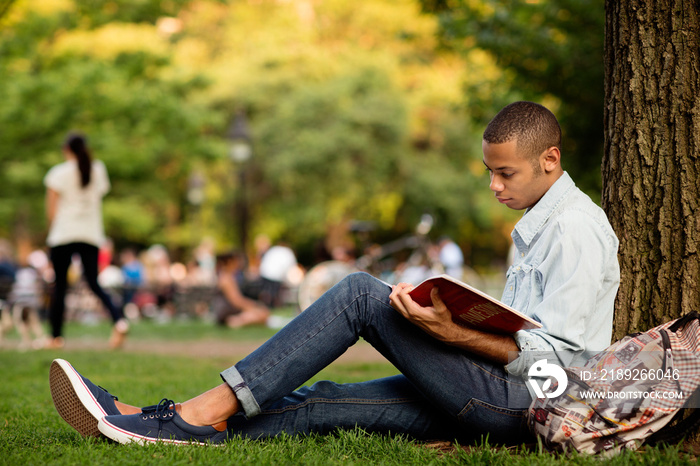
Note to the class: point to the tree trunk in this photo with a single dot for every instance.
(651, 166)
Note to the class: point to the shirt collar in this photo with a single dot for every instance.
(535, 217)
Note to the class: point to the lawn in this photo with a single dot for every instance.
(32, 433)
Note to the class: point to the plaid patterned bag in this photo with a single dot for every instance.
(627, 394)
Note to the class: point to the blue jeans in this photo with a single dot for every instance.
(442, 393)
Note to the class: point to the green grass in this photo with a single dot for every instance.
(177, 329)
(32, 433)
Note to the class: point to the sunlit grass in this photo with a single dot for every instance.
(31, 432)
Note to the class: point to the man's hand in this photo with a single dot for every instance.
(436, 320)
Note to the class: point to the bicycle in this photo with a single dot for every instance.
(377, 261)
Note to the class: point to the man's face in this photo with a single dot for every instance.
(515, 180)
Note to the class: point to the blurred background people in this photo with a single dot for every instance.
(39, 259)
(74, 192)
(8, 268)
(110, 276)
(160, 283)
(105, 254)
(26, 302)
(230, 307)
(451, 257)
(134, 278)
(21, 298)
(275, 265)
(206, 261)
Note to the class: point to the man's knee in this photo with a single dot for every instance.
(360, 280)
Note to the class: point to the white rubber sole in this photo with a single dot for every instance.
(122, 436)
(73, 400)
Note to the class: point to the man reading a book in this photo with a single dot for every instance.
(454, 381)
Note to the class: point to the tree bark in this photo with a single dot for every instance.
(651, 166)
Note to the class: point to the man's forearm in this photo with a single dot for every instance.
(492, 346)
(437, 321)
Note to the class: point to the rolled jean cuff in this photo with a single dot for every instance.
(245, 397)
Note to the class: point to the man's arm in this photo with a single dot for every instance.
(437, 322)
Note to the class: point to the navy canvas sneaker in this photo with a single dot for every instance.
(78, 401)
(159, 423)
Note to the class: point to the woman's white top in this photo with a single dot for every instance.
(78, 217)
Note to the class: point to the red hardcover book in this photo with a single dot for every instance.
(472, 307)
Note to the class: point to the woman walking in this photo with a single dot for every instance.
(74, 191)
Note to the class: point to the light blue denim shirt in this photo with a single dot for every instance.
(565, 275)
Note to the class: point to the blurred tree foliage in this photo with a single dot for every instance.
(552, 52)
(59, 71)
(355, 112)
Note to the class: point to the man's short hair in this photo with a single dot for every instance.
(533, 127)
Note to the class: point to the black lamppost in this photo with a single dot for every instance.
(240, 152)
(195, 197)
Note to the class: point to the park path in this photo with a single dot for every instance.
(361, 352)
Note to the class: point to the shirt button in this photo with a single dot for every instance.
(511, 288)
(517, 268)
(522, 254)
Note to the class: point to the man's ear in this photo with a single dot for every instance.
(551, 159)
